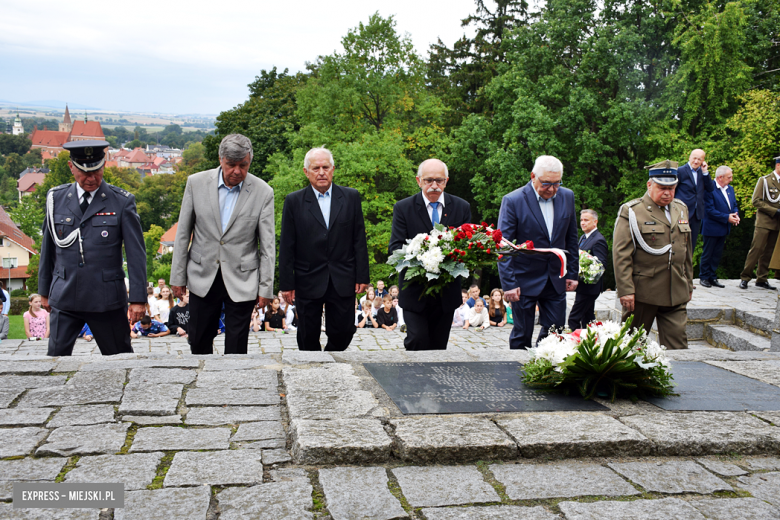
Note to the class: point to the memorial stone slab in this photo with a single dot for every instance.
(260, 430)
(217, 468)
(151, 419)
(215, 396)
(474, 387)
(637, 509)
(7, 512)
(722, 468)
(153, 376)
(340, 441)
(285, 500)
(531, 481)
(275, 456)
(27, 367)
(444, 485)
(257, 378)
(704, 433)
(215, 416)
(736, 508)
(169, 438)
(489, 513)
(135, 470)
(451, 439)
(705, 387)
(22, 382)
(151, 399)
(765, 486)
(85, 440)
(8, 395)
(359, 493)
(677, 476)
(24, 416)
(83, 415)
(15, 442)
(165, 504)
(567, 435)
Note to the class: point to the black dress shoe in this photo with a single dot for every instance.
(705, 283)
(765, 285)
(716, 283)
(743, 284)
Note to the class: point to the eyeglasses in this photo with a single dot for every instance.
(555, 185)
(436, 181)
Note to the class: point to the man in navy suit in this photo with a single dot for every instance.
(721, 212)
(693, 182)
(542, 212)
(592, 241)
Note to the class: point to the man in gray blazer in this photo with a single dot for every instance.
(230, 217)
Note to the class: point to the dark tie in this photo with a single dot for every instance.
(582, 239)
(85, 202)
(435, 213)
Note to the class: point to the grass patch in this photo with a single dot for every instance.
(162, 470)
(500, 488)
(317, 495)
(395, 490)
(16, 327)
(69, 466)
(129, 439)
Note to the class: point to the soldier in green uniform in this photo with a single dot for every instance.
(766, 200)
(652, 258)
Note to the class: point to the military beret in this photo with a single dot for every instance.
(88, 156)
(663, 173)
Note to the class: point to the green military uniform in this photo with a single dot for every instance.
(766, 200)
(660, 278)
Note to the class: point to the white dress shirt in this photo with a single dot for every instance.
(546, 206)
(428, 206)
(81, 191)
(724, 191)
(324, 199)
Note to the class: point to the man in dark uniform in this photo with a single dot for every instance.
(80, 276)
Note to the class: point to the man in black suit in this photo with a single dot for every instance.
(693, 182)
(428, 319)
(582, 312)
(323, 255)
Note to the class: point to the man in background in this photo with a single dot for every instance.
(766, 200)
(593, 242)
(720, 213)
(693, 182)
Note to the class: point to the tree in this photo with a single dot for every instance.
(33, 158)
(14, 165)
(158, 200)
(28, 216)
(18, 144)
(193, 154)
(152, 243)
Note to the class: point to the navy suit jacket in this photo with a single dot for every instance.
(693, 194)
(716, 215)
(596, 245)
(521, 219)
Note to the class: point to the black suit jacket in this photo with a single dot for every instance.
(310, 253)
(596, 245)
(410, 218)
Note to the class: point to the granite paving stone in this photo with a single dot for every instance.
(443, 485)
(85, 440)
(152, 419)
(215, 396)
(359, 493)
(83, 415)
(489, 513)
(214, 416)
(20, 441)
(165, 504)
(24, 416)
(149, 376)
(83, 388)
(238, 363)
(772, 417)
(340, 441)
(568, 435)
(531, 481)
(8, 512)
(736, 509)
(217, 468)
(22, 382)
(765, 486)
(702, 433)
(135, 470)
(304, 358)
(677, 476)
(157, 399)
(264, 444)
(7, 396)
(161, 362)
(237, 379)
(763, 463)
(661, 509)
(767, 371)
(722, 468)
(260, 430)
(284, 500)
(27, 367)
(451, 439)
(28, 470)
(275, 456)
(166, 438)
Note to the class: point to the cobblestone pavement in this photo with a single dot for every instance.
(283, 434)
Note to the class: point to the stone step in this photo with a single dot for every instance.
(756, 321)
(734, 338)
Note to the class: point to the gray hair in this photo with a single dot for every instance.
(547, 163)
(311, 153)
(235, 147)
(590, 212)
(722, 170)
(420, 168)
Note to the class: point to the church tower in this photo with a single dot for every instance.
(18, 128)
(67, 124)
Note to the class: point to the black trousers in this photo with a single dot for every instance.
(552, 313)
(695, 224)
(204, 320)
(110, 329)
(339, 320)
(710, 257)
(430, 329)
(583, 311)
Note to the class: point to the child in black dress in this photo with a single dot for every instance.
(274, 316)
(497, 311)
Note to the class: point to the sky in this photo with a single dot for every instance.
(186, 57)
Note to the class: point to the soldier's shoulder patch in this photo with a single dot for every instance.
(678, 201)
(119, 190)
(632, 203)
(61, 187)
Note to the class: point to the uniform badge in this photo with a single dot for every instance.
(104, 234)
(67, 219)
(649, 223)
(682, 221)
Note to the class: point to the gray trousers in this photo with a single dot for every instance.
(4, 324)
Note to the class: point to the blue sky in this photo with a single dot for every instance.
(178, 56)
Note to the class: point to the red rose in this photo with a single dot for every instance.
(497, 236)
(488, 251)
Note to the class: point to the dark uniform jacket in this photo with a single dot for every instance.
(596, 245)
(97, 283)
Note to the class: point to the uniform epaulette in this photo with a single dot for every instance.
(60, 187)
(120, 190)
(633, 203)
(678, 201)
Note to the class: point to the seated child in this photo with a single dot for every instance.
(149, 328)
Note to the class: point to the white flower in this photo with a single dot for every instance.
(447, 236)
(414, 246)
(431, 259)
(555, 349)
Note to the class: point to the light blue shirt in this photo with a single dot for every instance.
(323, 199)
(227, 199)
(6, 303)
(548, 211)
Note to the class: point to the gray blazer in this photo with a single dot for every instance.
(246, 252)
